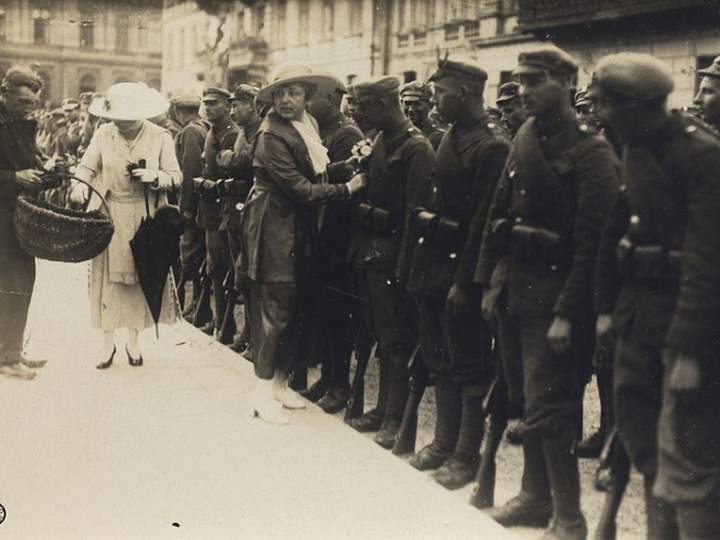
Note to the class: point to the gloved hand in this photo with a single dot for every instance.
(357, 183)
(223, 158)
(146, 176)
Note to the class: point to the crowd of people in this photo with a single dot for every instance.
(502, 254)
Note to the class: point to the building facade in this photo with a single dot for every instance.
(359, 38)
(82, 45)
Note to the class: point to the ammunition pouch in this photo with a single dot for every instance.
(439, 230)
(232, 187)
(376, 219)
(205, 187)
(529, 243)
(647, 264)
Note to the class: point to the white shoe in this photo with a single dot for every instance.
(286, 395)
(263, 405)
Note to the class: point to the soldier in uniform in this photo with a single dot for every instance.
(707, 99)
(415, 98)
(562, 180)
(338, 306)
(666, 313)
(513, 112)
(69, 143)
(454, 340)
(584, 109)
(221, 136)
(400, 170)
(354, 112)
(189, 144)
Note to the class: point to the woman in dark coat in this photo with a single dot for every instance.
(279, 221)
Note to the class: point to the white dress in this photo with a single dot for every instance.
(116, 298)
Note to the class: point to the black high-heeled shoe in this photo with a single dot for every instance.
(135, 362)
(109, 361)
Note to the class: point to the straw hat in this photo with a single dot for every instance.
(297, 72)
(129, 101)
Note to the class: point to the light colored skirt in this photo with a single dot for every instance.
(120, 302)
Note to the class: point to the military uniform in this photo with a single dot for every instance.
(456, 348)
(221, 136)
(665, 303)
(562, 180)
(416, 91)
(400, 168)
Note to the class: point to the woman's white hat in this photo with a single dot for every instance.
(129, 101)
(294, 72)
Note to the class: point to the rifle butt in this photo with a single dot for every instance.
(226, 330)
(356, 403)
(483, 494)
(203, 313)
(181, 290)
(607, 526)
(407, 434)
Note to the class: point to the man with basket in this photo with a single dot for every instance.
(19, 172)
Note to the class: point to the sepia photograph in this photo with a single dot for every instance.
(360, 269)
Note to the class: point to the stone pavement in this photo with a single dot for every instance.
(169, 450)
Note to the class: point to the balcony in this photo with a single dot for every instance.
(541, 15)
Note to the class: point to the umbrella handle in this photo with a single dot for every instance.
(95, 191)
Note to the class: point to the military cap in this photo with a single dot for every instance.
(212, 93)
(634, 75)
(459, 68)
(582, 97)
(546, 61)
(58, 112)
(185, 99)
(508, 92)
(70, 104)
(415, 91)
(713, 70)
(377, 87)
(245, 92)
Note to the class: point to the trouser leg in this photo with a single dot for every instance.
(17, 280)
(662, 521)
(273, 312)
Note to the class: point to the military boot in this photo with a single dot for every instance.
(568, 521)
(189, 311)
(448, 407)
(373, 419)
(661, 517)
(398, 392)
(462, 467)
(533, 506)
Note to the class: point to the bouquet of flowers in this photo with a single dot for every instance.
(361, 152)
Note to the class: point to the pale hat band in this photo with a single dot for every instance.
(129, 101)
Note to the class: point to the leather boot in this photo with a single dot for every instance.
(317, 390)
(661, 517)
(388, 433)
(368, 422)
(699, 521)
(448, 407)
(190, 308)
(398, 392)
(568, 521)
(533, 506)
(220, 306)
(461, 469)
(335, 400)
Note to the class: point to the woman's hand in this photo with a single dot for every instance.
(146, 176)
(357, 183)
(79, 194)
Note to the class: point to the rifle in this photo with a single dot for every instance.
(227, 329)
(405, 441)
(496, 405)
(181, 290)
(612, 477)
(203, 312)
(363, 349)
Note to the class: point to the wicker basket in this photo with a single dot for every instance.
(61, 234)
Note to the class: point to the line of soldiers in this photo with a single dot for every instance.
(502, 259)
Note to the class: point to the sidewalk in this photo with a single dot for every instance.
(169, 451)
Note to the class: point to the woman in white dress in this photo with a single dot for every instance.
(117, 300)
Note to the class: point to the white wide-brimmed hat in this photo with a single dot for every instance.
(297, 72)
(129, 101)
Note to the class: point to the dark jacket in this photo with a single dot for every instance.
(241, 170)
(188, 149)
(400, 171)
(673, 190)
(561, 179)
(279, 218)
(468, 164)
(433, 133)
(221, 136)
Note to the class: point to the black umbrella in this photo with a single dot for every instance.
(155, 246)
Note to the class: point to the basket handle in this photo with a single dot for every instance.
(87, 202)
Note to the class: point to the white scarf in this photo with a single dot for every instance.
(318, 153)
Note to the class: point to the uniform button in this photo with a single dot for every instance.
(239, 206)
(421, 240)
(635, 220)
(544, 138)
(453, 255)
(511, 174)
(623, 188)
(553, 267)
(690, 129)
(435, 190)
(583, 127)
(491, 125)
(518, 220)
(523, 192)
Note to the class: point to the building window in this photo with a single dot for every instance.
(40, 31)
(452, 32)
(452, 10)
(87, 83)
(240, 23)
(260, 20)
(121, 36)
(420, 37)
(281, 30)
(506, 76)
(403, 41)
(420, 15)
(328, 19)
(46, 93)
(356, 13)
(472, 29)
(2, 24)
(409, 76)
(304, 21)
(87, 32)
